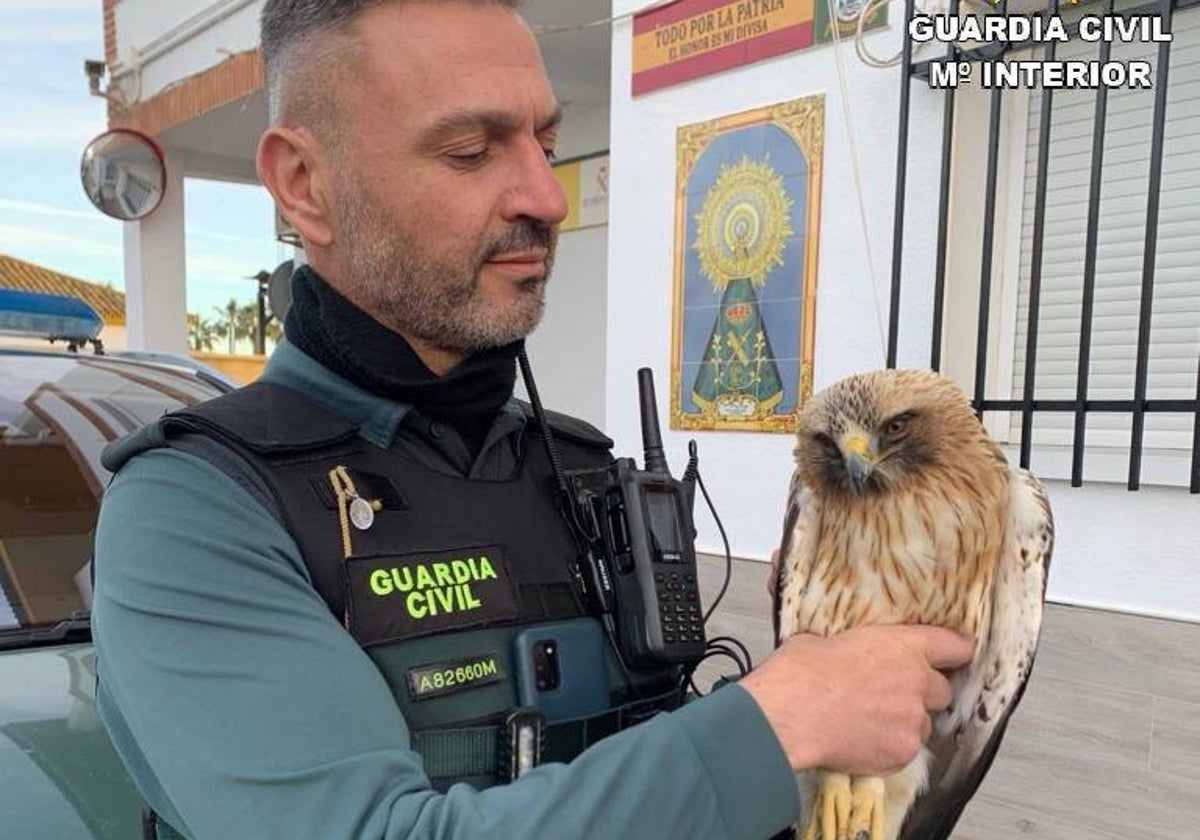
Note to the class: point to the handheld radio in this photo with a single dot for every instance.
(636, 561)
(639, 562)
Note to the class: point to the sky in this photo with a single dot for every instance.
(47, 118)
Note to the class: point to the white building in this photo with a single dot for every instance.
(191, 69)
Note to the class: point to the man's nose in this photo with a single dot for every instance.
(535, 193)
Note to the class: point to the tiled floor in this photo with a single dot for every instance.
(1106, 743)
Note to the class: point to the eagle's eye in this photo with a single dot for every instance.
(897, 427)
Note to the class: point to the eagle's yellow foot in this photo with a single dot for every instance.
(830, 816)
(867, 800)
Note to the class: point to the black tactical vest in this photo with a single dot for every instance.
(434, 575)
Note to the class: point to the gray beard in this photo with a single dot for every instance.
(435, 299)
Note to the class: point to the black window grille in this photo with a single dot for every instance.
(1028, 405)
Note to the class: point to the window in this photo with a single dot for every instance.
(1175, 325)
(990, 194)
(56, 415)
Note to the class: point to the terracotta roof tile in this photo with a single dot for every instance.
(30, 277)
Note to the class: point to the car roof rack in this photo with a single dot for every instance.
(50, 317)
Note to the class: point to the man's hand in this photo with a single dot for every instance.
(858, 702)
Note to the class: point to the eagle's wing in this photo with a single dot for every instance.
(966, 739)
(796, 550)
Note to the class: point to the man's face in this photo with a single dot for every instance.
(445, 203)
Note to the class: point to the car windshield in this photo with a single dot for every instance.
(57, 413)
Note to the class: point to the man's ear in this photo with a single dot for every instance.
(291, 166)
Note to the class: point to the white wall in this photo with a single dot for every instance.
(1138, 552)
(166, 42)
(567, 350)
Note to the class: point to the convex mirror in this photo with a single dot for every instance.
(124, 174)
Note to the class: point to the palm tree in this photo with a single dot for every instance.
(239, 321)
(202, 333)
(234, 324)
(247, 322)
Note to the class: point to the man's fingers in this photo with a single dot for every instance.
(938, 693)
(943, 649)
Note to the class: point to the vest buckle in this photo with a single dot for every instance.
(522, 737)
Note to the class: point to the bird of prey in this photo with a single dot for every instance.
(902, 510)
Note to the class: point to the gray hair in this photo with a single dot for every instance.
(303, 29)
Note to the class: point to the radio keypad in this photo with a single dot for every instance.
(678, 605)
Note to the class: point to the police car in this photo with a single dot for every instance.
(60, 404)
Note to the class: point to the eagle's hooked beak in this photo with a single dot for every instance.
(859, 452)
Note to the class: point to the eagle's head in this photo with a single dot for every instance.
(887, 431)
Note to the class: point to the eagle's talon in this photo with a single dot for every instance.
(867, 805)
(829, 816)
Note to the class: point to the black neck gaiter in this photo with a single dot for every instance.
(346, 340)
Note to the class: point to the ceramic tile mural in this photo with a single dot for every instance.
(746, 229)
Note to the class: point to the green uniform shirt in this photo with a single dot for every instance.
(243, 709)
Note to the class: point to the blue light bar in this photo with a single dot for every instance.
(39, 315)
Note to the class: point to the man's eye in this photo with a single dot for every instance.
(469, 157)
(550, 155)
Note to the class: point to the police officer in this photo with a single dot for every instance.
(307, 590)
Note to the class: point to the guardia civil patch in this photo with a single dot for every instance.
(439, 678)
(393, 597)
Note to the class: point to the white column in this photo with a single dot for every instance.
(155, 272)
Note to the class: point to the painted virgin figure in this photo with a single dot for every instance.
(741, 230)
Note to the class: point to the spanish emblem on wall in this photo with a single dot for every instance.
(747, 206)
(688, 39)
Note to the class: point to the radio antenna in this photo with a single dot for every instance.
(656, 461)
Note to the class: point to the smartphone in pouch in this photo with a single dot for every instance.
(562, 669)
